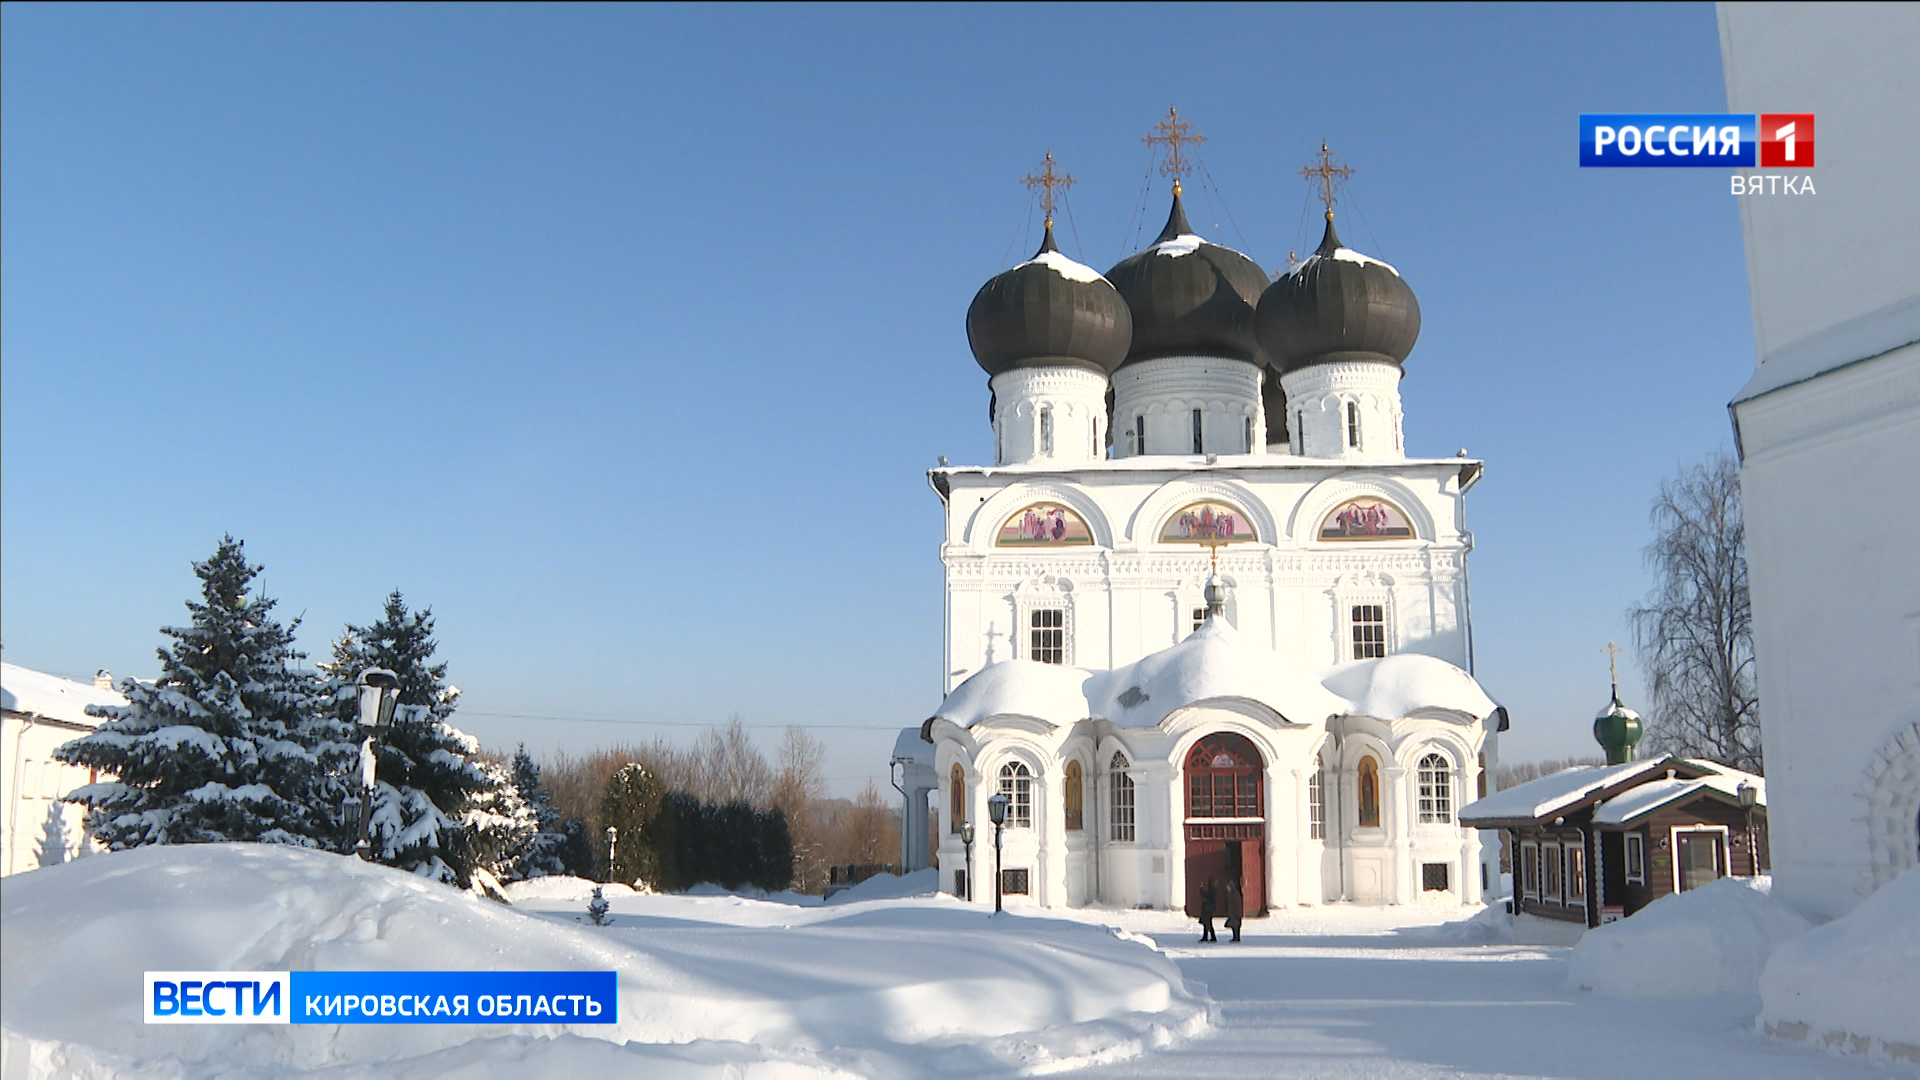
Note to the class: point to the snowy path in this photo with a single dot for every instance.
(1399, 1004)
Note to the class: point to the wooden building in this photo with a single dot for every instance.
(1596, 843)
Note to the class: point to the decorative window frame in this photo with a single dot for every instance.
(1725, 853)
(1022, 771)
(1574, 856)
(1551, 859)
(1446, 792)
(1114, 804)
(1633, 849)
(1351, 590)
(1530, 869)
(1039, 595)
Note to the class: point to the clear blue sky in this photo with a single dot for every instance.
(640, 325)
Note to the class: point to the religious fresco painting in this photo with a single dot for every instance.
(1369, 793)
(1044, 525)
(1208, 523)
(1366, 519)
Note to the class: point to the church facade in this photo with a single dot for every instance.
(1205, 617)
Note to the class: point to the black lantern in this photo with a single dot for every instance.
(613, 839)
(997, 813)
(379, 693)
(966, 838)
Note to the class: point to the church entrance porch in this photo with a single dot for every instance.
(1225, 827)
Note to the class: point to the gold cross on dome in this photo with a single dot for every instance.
(1326, 172)
(1613, 670)
(1173, 133)
(1047, 181)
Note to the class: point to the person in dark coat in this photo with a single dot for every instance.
(1235, 908)
(1209, 905)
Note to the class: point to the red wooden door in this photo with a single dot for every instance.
(1224, 782)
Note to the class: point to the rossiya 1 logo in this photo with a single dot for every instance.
(1705, 140)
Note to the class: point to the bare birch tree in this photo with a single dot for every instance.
(1694, 634)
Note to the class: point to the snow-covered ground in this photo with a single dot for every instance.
(710, 985)
(882, 984)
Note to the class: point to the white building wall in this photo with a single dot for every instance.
(1168, 391)
(1049, 415)
(1829, 431)
(41, 712)
(1346, 410)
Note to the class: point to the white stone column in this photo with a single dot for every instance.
(1470, 844)
(1399, 836)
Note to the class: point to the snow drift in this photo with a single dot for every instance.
(1853, 984)
(1702, 942)
(709, 986)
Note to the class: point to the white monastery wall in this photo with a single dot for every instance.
(1829, 433)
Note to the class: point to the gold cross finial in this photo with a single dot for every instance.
(1613, 670)
(1047, 181)
(1173, 133)
(1326, 172)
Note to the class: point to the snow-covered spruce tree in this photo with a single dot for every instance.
(542, 856)
(439, 809)
(232, 742)
(632, 801)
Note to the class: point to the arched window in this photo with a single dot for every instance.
(1016, 783)
(1223, 778)
(1198, 446)
(1122, 786)
(1436, 790)
(1353, 424)
(1046, 430)
(1075, 796)
(1369, 793)
(957, 799)
(1317, 803)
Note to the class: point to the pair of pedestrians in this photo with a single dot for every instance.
(1210, 895)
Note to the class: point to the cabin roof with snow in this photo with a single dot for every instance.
(1617, 794)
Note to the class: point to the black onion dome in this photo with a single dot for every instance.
(1337, 305)
(1190, 297)
(1048, 312)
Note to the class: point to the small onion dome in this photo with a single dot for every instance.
(1189, 297)
(1617, 730)
(1337, 305)
(1048, 312)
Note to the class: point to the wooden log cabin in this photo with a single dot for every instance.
(1596, 843)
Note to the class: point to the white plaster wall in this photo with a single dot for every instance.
(1829, 430)
(1072, 402)
(1318, 398)
(1167, 390)
(1828, 491)
(31, 784)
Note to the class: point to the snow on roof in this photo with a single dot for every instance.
(1049, 692)
(1399, 685)
(1184, 244)
(1064, 266)
(25, 690)
(1213, 662)
(1556, 791)
(911, 747)
(1635, 803)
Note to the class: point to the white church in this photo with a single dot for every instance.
(1205, 617)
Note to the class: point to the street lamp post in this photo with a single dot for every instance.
(378, 690)
(1749, 798)
(966, 838)
(613, 839)
(997, 811)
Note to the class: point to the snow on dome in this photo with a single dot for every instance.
(1396, 686)
(1049, 692)
(1065, 267)
(1347, 254)
(1614, 708)
(1213, 662)
(1184, 244)
(1555, 791)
